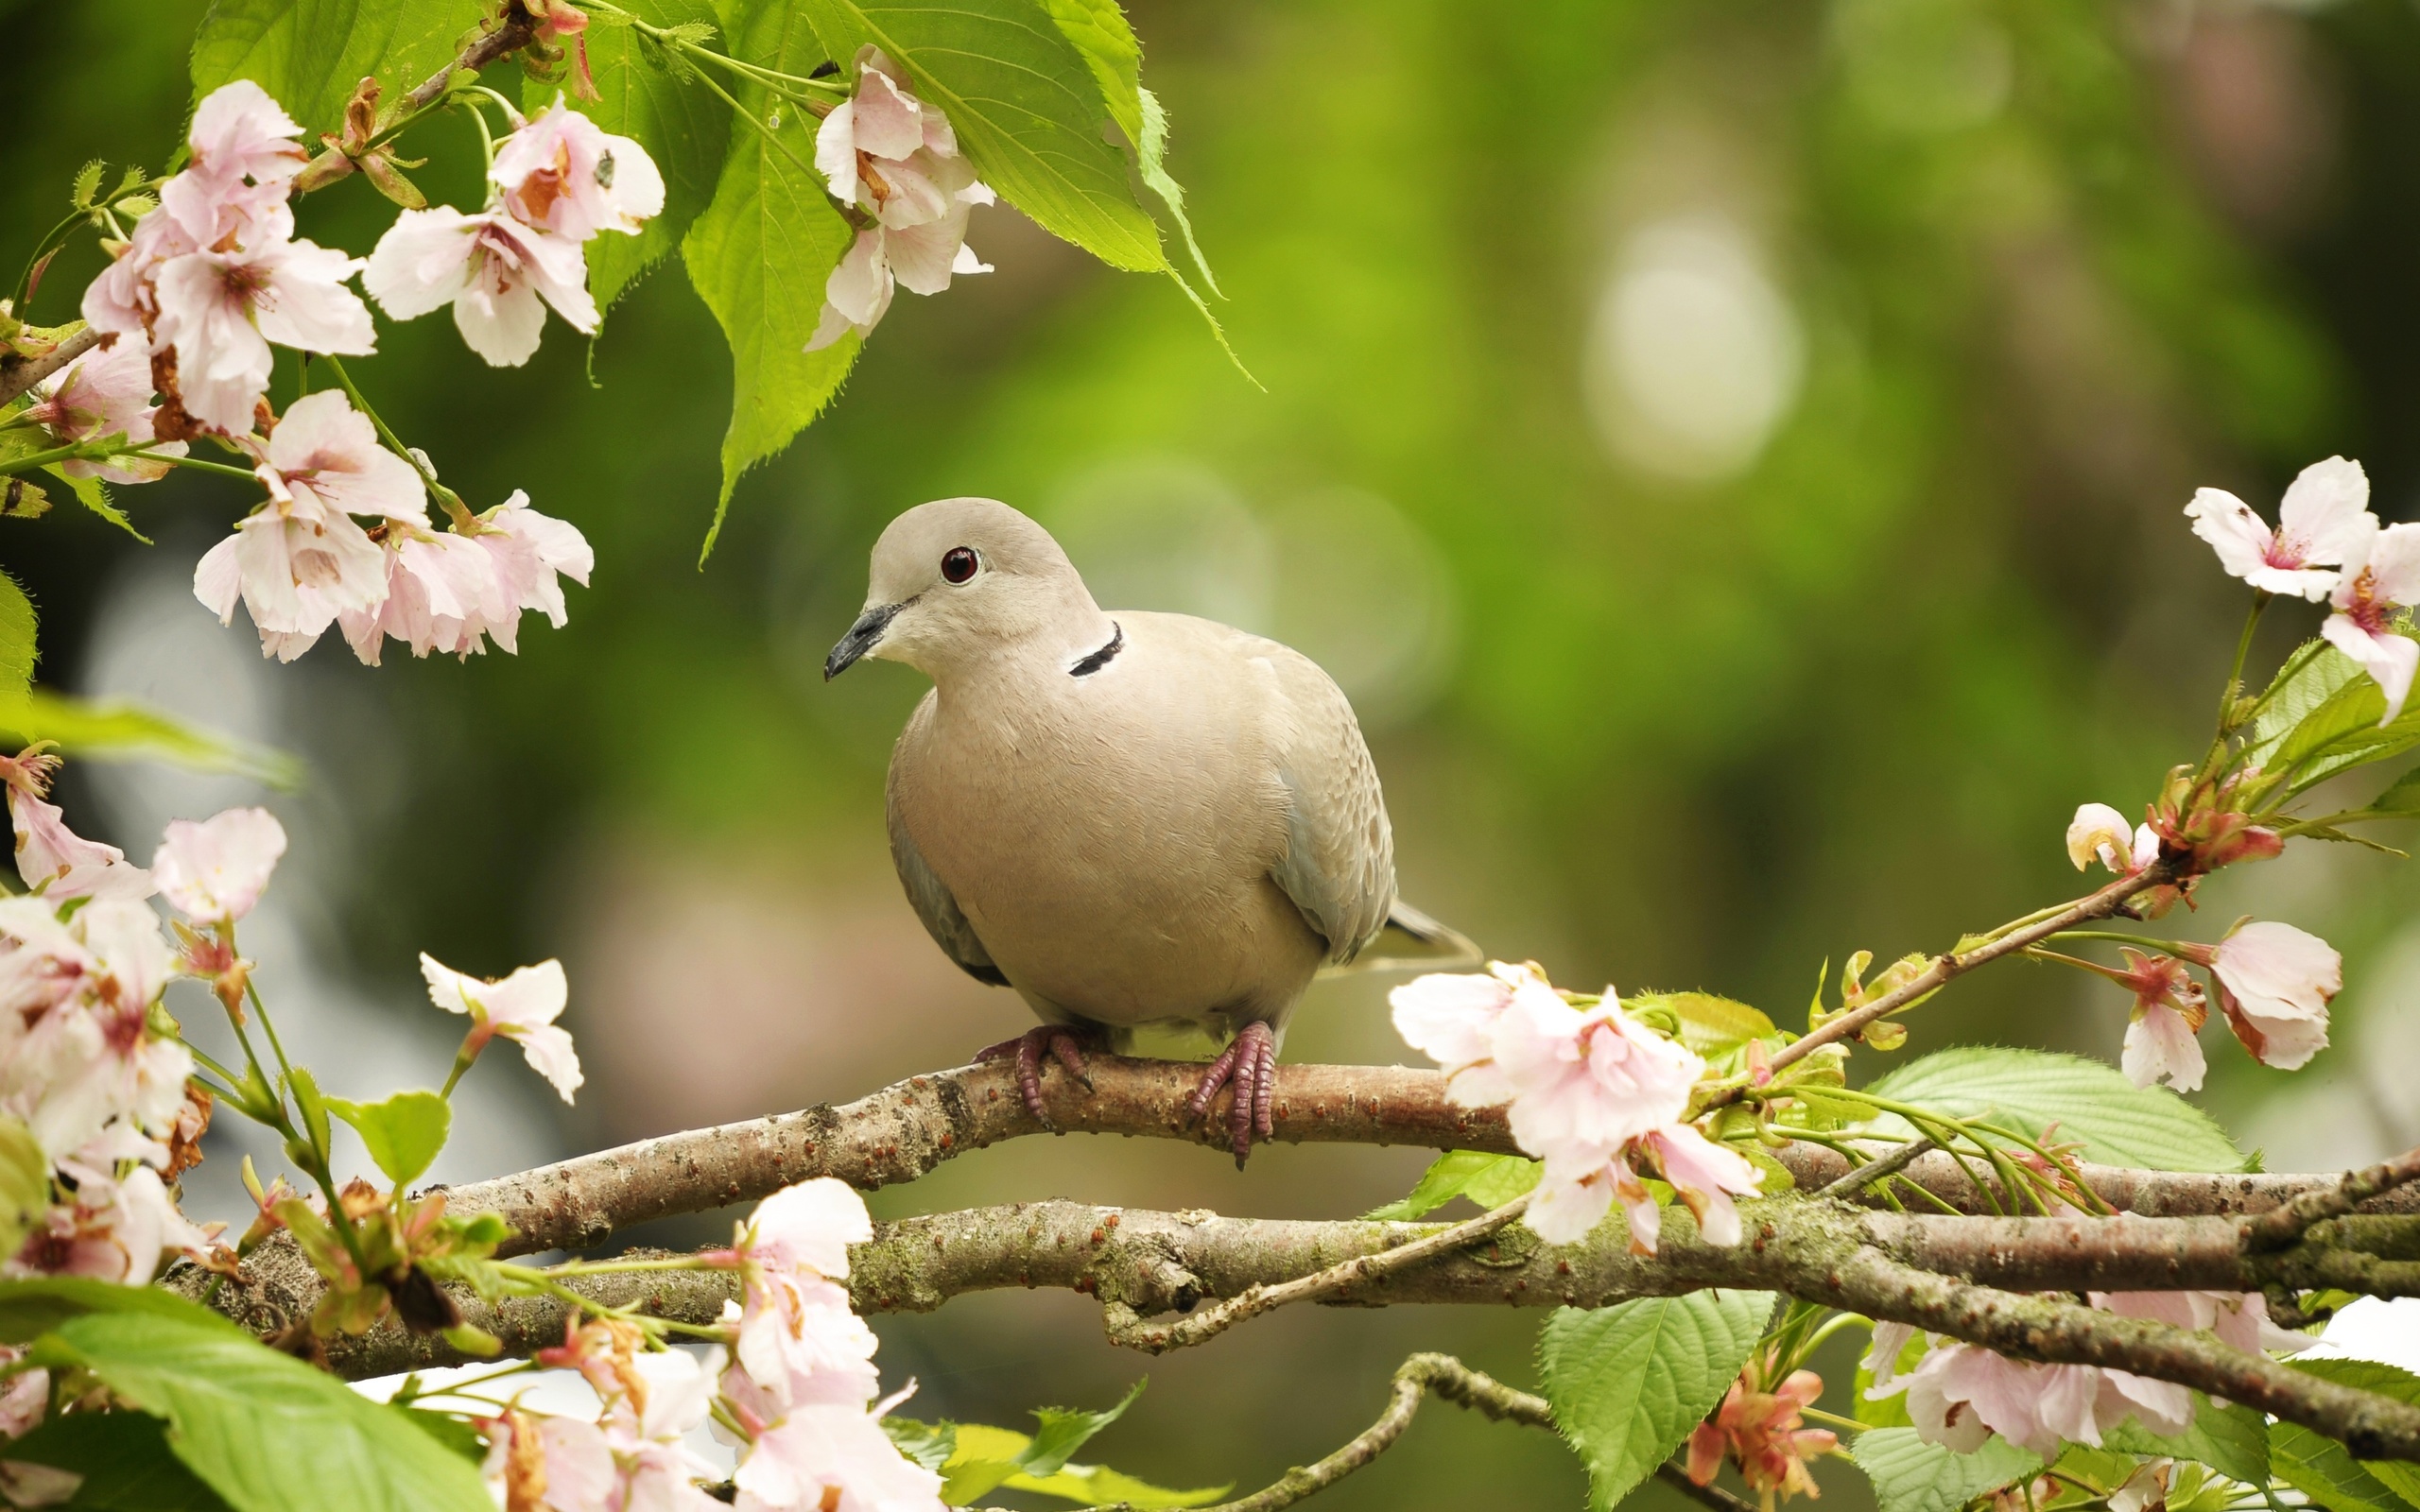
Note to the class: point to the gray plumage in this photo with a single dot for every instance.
(1129, 817)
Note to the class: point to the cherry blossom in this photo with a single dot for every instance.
(2323, 523)
(222, 305)
(214, 872)
(105, 392)
(522, 1008)
(2146, 1490)
(2275, 981)
(295, 565)
(1759, 1428)
(238, 132)
(326, 456)
(493, 270)
(76, 1055)
(797, 1340)
(2381, 578)
(53, 859)
(1959, 1394)
(114, 1229)
(832, 1458)
(1592, 1092)
(2169, 1011)
(2100, 830)
(561, 173)
(25, 1397)
(896, 158)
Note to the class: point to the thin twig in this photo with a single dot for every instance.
(1947, 968)
(1423, 1373)
(1158, 1338)
(1713, 1497)
(17, 376)
(511, 37)
(1874, 1170)
(2280, 1227)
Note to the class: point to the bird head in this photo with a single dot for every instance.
(957, 581)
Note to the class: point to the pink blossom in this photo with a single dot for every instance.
(2169, 1010)
(798, 1341)
(76, 1055)
(1706, 1177)
(2323, 523)
(563, 174)
(103, 393)
(2275, 981)
(296, 564)
(2380, 578)
(832, 1458)
(25, 1397)
(437, 583)
(327, 457)
(1592, 1079)
(222, 305)
(494, 270)
(1451, 1018)
(923, 258)
(123, 300)
(115, 1229)
(214, 871)
(54, 860)
(2241, 1319)
(238, 132)
(522, 1008)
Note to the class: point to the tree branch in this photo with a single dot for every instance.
(2281, 1226)
(17, 374)
(907, 1129)
(513, 36)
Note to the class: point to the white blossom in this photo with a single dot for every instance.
(2321, 526)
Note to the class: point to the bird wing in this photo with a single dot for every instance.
(1339, 862)
(927, 893)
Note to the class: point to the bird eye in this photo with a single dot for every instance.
(959, 564)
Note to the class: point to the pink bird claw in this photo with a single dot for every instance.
(1250, 1066)
(1063, 1044)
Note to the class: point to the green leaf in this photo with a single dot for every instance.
(1489, 1180)
(2399, 1476)
(456, 1436)
(2320, 1467)
(16, 643)
(928, 1444)
(1025, 104)
(310, 54)
(93, 496)
(86, 185)
(124, 1458)
(761, 253)
(2232, 1440)
(2401, 797)
(2119, 1122)
(984, 1459)
(267, 1432)
(114, 730)
(1710, 1025)
(403, 1134)
(1910, 1476)
(1065, 1429)
(680, 122)
(1151, 156)
(37, 1305)
(2325, 719)
(312, 1106)
(1628, 1381)
(24, 1183)
(2291, 697)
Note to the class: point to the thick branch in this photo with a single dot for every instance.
(905, 1130)
(2281, 1226)
(18, 374)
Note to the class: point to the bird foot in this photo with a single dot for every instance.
(1249, 1065)
(1064, 1044)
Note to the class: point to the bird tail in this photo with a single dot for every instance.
(1412, 942)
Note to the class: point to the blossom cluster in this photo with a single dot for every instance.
(1595, 1095)
(1961, 1394)
(101, 1088)
(2327, 545)
(558, 181)
(2274, 981)
(795, 1392)
(894, 161)
(1760, 1429)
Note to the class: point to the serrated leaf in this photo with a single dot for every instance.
(1628, 1383)
(928, 1444)
(2402, 796)
(38, 1305)
(2399, 1476)
(403, 1134)
(310, 55)
(682, 125)
(265, 1430)
(124, 1459)
(114, 730)
(2292, 696)
(1910, 1476)
(2119, 1122)
(760, 254)
(24, 1183)
(2232, 1440)
(1025, 105)
(1065, 1429)
(1489, 1180)
(93, 496)
(16, 645)
(86, 185)
(2320, 1467)
(1710, 1025)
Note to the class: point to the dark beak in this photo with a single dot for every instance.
(862, 636)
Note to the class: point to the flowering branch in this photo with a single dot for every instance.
(17, 376)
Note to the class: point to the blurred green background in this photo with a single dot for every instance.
(1732, 454)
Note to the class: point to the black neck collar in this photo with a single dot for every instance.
(1101, 658)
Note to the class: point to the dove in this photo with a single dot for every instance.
(1129, 817)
